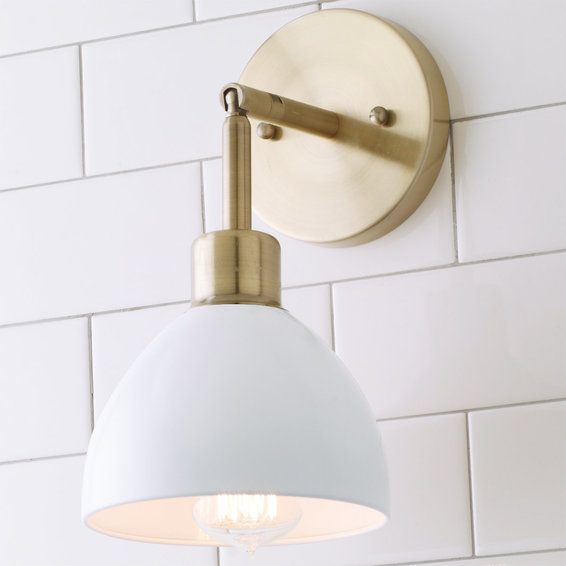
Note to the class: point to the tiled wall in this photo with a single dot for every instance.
(454, 324)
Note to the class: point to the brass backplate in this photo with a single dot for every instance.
(369, 178)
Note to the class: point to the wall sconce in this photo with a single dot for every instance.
(237, 425)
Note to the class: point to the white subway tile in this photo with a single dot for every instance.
(153, 98)
(209, 9)
(463, 337)
(430, 517)
(35, 24)
(311, 305)
(98, 244)
(40, 523)
(494, 55)
(118, 339)
(518, 477)
(510, 193)
(40, 117)
(45, 390)
(539, 559)
(425, 239)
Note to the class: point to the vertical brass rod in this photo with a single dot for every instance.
(236, 172)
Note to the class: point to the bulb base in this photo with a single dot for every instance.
(236, 267)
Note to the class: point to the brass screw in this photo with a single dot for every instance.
(379, 116)
(266, 131)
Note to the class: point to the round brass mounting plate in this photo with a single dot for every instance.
(369, 178)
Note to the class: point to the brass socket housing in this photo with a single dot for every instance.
(235, 267)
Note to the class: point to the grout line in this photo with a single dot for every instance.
(303, 286)
(202, 199)
(111, 174)
(217, 556)
(427, 269)
(453, 189)
(42, 458)
(46, 184)
(42, 49)
(82, 103)
(332, 324)
(505, 112)
(475, 558)
(376, 276)
(90, 371)
(43, 320)
(142, 307)
(98, 313)
(473, 409)
(159, 29)
(470, 486)
(194, 9)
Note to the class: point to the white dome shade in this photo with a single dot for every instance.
(235, 399)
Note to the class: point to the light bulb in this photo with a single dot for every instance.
(246, 520)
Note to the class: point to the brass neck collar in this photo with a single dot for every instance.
(236, 267)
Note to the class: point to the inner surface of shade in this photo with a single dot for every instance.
(171, 521)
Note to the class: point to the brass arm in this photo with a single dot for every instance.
(283, 111)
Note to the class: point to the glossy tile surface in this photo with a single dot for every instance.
(515, 203)
(518, 476)
(153, 98)
(44, 390)
(544, 559)
(35, 24)
(209, 9)
(456, 338)
(40, 523)
(426, 458)
(425, 239)
(40, 121)
(488, 52)
(98, 244)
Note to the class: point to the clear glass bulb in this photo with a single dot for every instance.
(246, 520)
